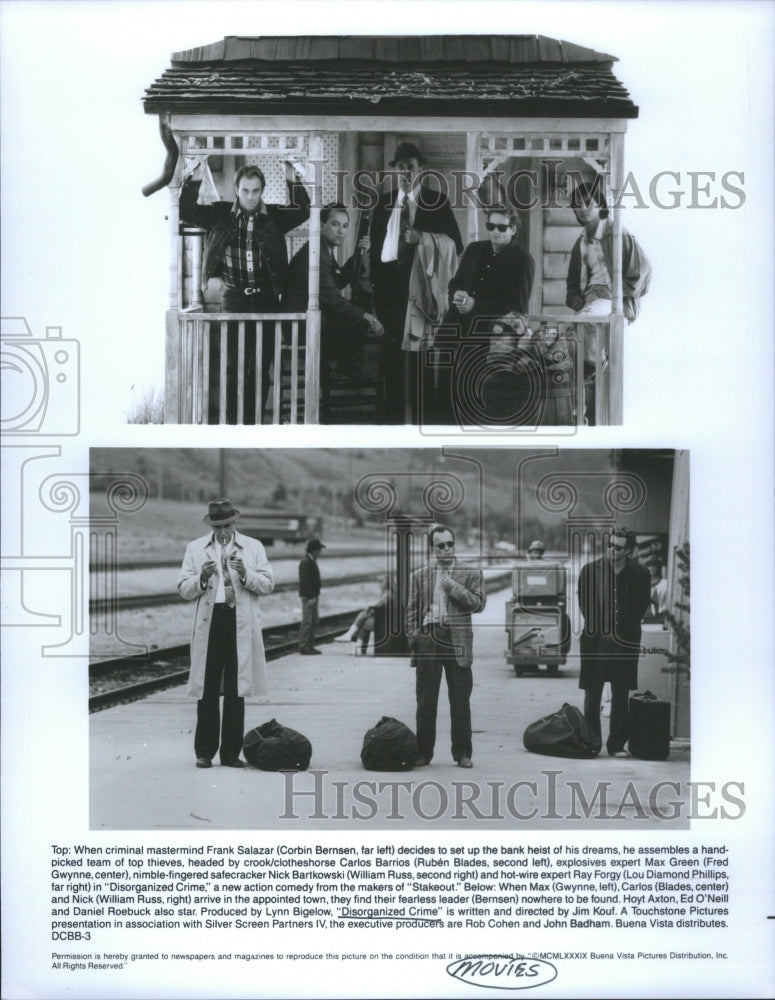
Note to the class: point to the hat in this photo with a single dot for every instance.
(314, 544)
(536, 545)
(220, 512)
(407, 151)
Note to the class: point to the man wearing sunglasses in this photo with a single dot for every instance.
(614, 594)
(494, 278)
(442, 598)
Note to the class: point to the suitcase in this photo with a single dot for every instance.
(649, 727)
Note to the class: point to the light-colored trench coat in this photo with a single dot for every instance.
(259, 579)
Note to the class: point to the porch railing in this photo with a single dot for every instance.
(219, 367)
(222, 368)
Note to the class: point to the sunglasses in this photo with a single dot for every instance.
(444, 545)
(619, 548)
(500, 226)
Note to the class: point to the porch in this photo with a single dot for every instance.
(342, 146)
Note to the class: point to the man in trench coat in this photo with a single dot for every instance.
(225, 572)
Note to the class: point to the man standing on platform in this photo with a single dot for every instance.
(442, 598)
(614, 594)
(309, 592)
(399, 219)
(225, 572)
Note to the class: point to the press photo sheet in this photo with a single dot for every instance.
(128, 871)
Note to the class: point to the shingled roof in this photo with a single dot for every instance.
(453, 75)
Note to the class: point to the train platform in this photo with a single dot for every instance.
(142, 773)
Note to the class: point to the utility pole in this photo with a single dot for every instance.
(222, 475)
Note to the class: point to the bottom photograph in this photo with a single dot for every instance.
(480, 638)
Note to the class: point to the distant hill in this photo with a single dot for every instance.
(322, 482)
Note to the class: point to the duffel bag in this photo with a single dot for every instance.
(389, 746)
(273, 747)
(565, 733)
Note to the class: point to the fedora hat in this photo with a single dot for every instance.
(220, 512)
(407, 151)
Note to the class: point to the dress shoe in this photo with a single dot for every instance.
(465, 762)
(621, 753)
(309, 651)
(421, 762)
(235, 762)
(204, 762)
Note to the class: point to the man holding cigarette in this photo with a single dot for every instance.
(443, 595)
(225, 572)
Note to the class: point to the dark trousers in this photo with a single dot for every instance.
(618, 729)
(235, 301)
(220, 669)
(434, 652)
(391, 296)
(309, 622)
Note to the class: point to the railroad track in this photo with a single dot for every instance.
(331, 551)
(158, 672)
(100, 605)
(169, 667)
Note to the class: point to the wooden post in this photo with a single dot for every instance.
(473, 167)
(312, 357)
(172, 367)
(616, 347)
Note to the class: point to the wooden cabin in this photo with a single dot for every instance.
(531, 110)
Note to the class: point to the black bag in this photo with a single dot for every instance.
(273, 747)
(389, 746)
(562, 734)
(649, 727)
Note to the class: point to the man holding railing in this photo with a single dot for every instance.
(245, 246)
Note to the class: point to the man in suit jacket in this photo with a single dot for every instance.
(399, 218)
(614, 594)
(344, 324)
(226, 573)
(442, 598)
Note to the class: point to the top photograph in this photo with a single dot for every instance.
(415, 230)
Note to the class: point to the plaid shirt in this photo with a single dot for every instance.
(242, 259)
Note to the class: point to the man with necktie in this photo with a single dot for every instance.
(442, 597)
(400, 217)
(226, 573)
